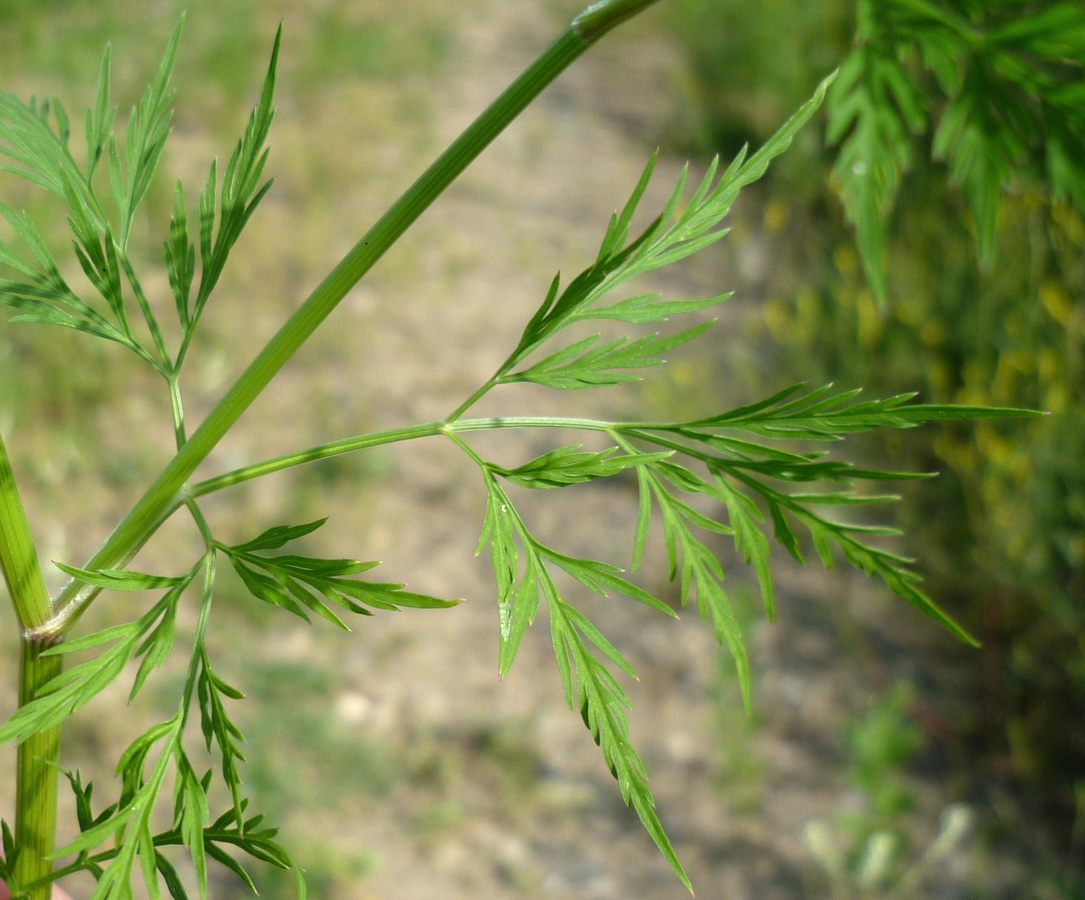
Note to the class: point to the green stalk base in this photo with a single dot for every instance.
(36, 779)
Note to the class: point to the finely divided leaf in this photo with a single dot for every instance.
(241, 190)
(99, 125)
(584, 365)
(592, 689)
(276, 537)
(588, 684)
(571, 465)
(217, 726)
(681, 230)
(649, 308)
(123, 579)
(689, 559)
(145, 138)
(821, 414)
(1007, 81)
(874, 110)
(180, 259)
(517, 593)
(603, 578)
(302, 583)
(78, 685)
(752, 478)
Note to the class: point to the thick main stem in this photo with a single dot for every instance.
(36, 778)
(35, 775)
(18, 557)
(162, 497)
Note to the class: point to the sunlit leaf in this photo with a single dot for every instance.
(303, 583)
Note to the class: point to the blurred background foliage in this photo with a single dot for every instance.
(978, 157)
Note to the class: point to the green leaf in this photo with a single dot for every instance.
(48, 275)
(750, 477)
(602, 577)
(558, 311)
(590, 688)
(38, 150)
(587, 683)
(145, 137)
(301, 583)
(194, 817)
(156, 647)
(169, 875)
(571, 465)
(510, 543)
(276, 537)
(47, 298)
(1002, 80)
(922, 412)
(100, 117)
(98, 833)
(75, 687)
(123, 579)
(180, 259)
(874, 111)
(498, 532)
(822, 415)
(229, 830)
(584, 365)
(517, 594)
(678, 232)
(517, 609)
(618, 231)
(983, 153)
(217, 726)
(689, 559)
(241, 190)
(649, 308)
(750, 541)
(9, 850)
(42, 313)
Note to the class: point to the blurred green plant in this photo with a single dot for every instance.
(752, 464)
(877, 867)
(865, 854)
(958, 149)
(996, 87)
(740, 773)
(746, 74)
(879, 747)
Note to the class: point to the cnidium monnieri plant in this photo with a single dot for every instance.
(751, 464)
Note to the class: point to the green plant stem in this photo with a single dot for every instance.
(18, 557)
(477, 395)
(35, 777)
(363, 441)
(163, 495)
(600, 17)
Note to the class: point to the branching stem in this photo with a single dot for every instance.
(43, 624)
(377, 438)
(166, 492)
